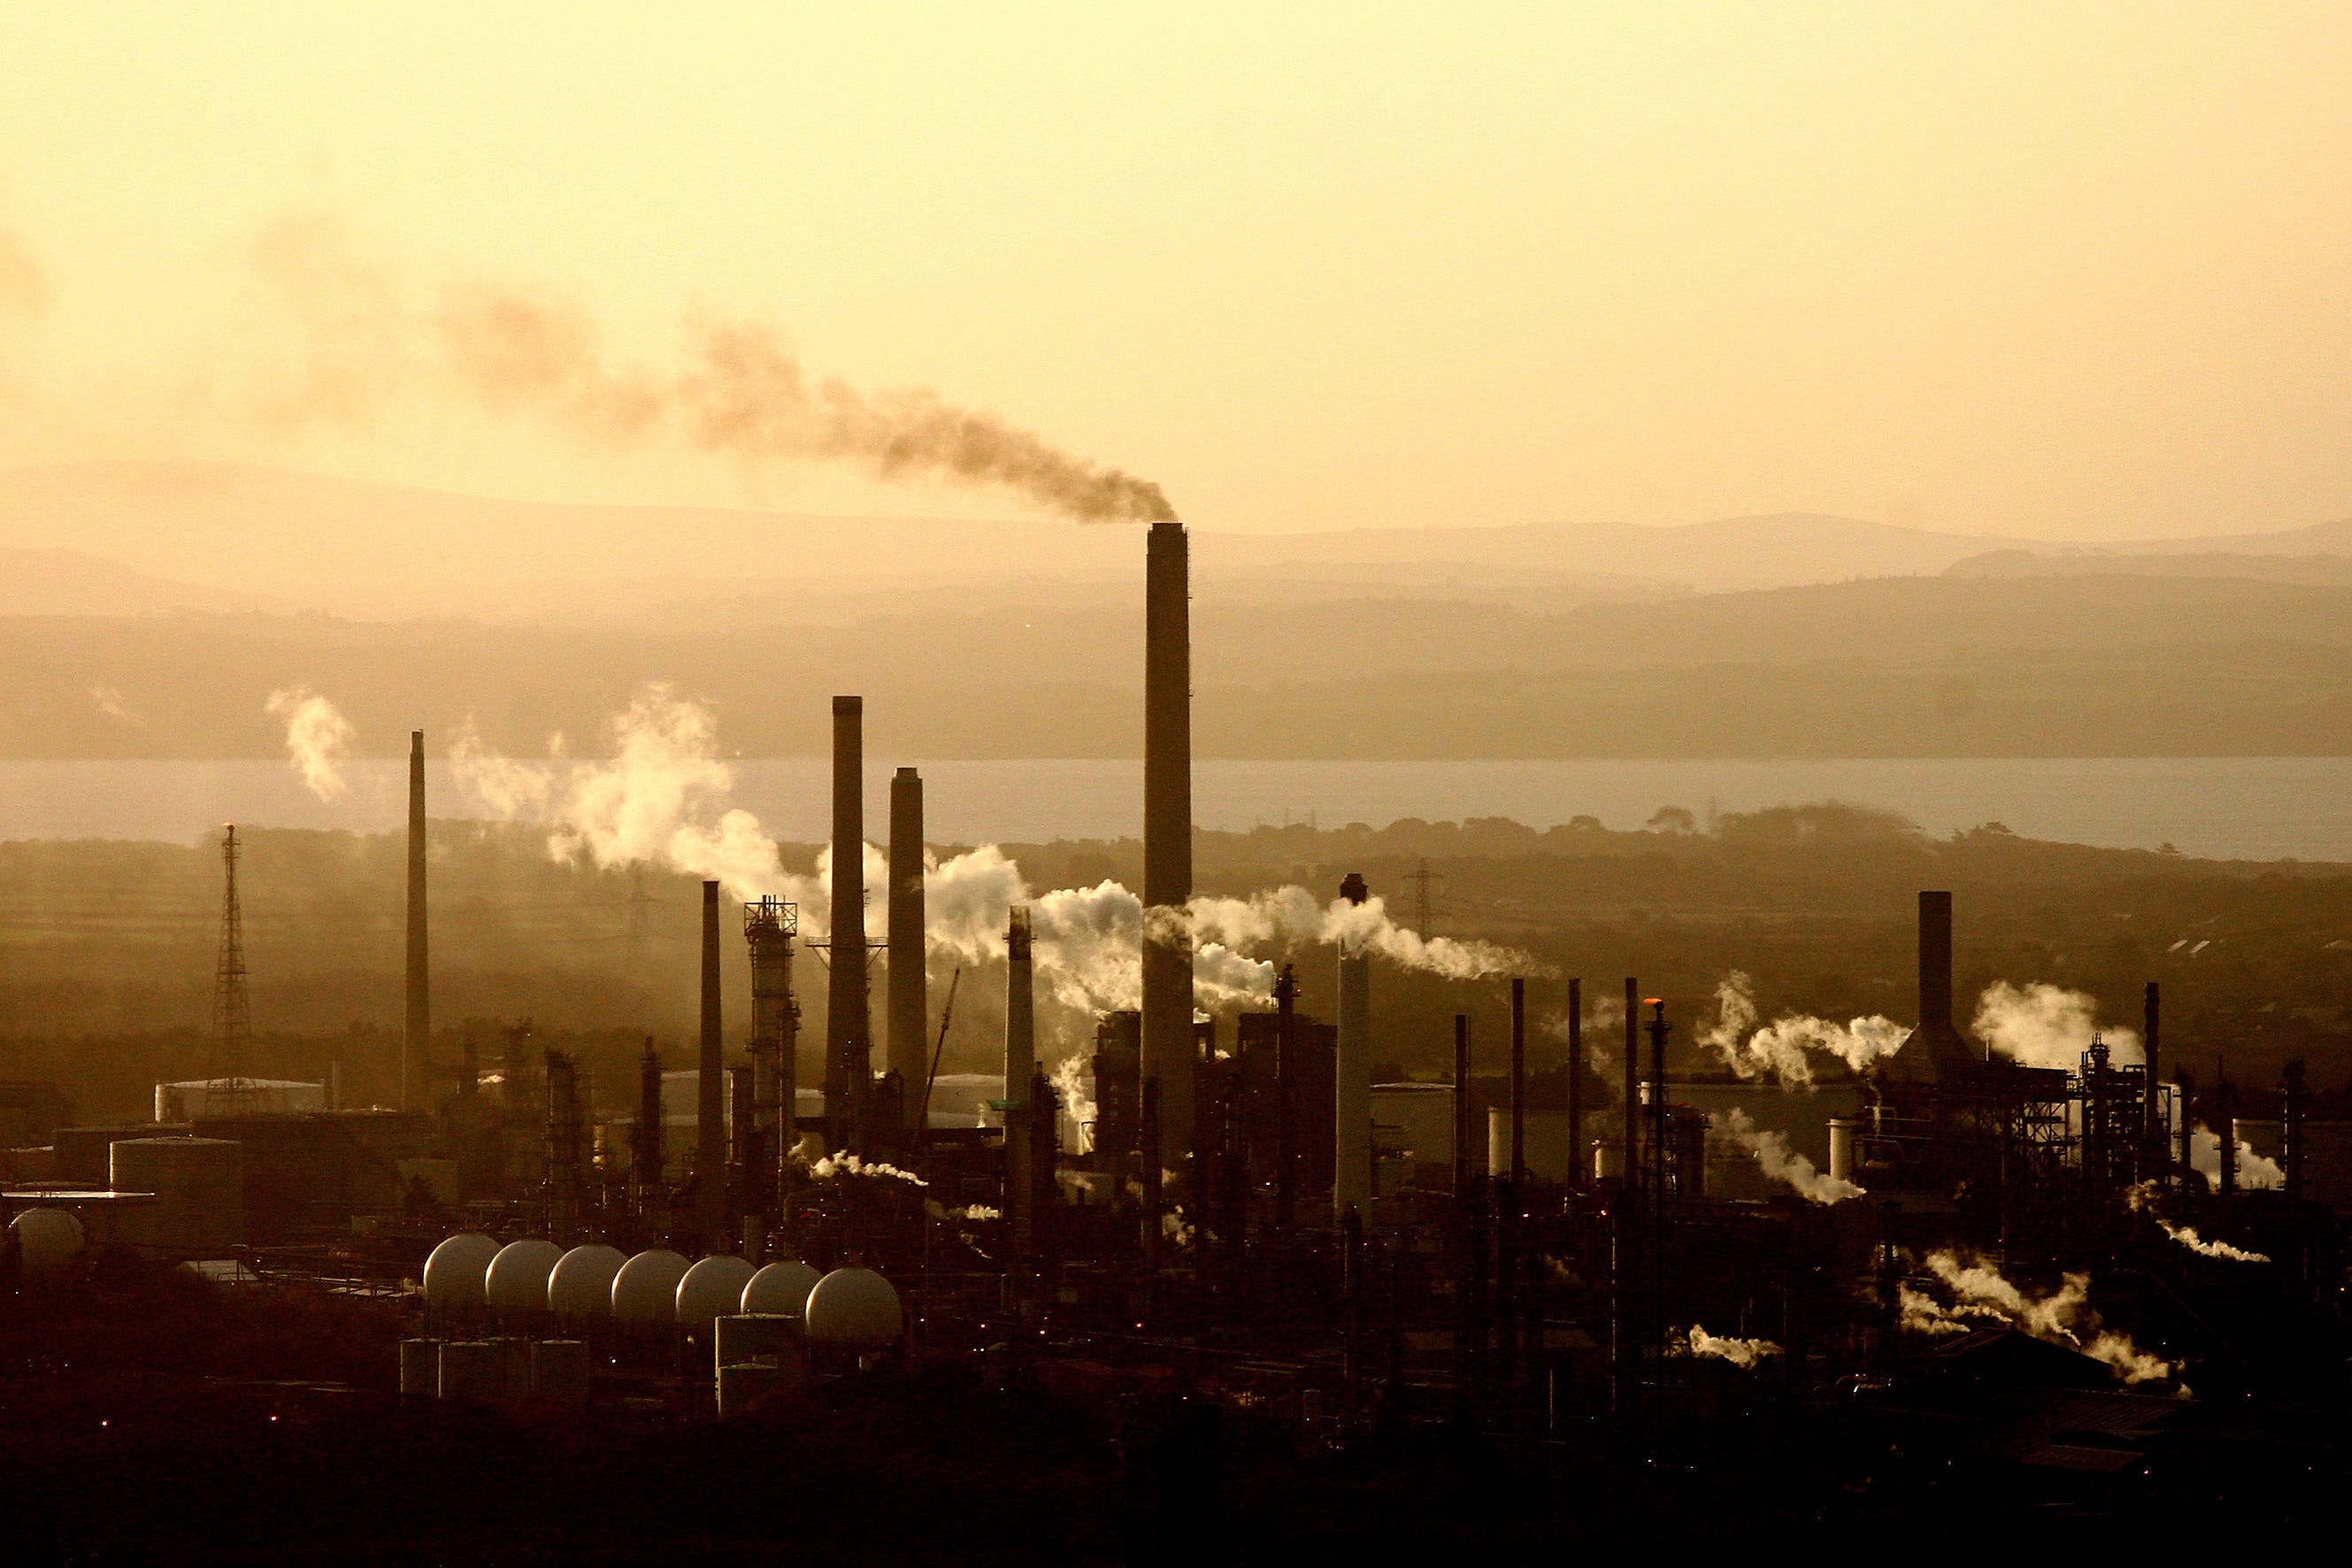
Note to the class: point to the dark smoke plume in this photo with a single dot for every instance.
(742, 392)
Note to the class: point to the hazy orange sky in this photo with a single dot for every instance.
(2076, 270)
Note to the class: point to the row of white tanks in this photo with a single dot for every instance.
(471, 1272)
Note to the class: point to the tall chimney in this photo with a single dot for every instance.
(1020, 1011)
(1167, 1045)
(848, 1047)
(1577, 1165)
(417, 1027)
(1352, 1184)
(1632, 1171)
(1936, 961)
(1519, 1080)
(908, 1057)
(711, 1103)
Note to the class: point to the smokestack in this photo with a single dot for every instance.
(847, 1049)
(1577, 1164)
(1352, 1184)
(1020, 1011)
(711, 1104)
(1519, 1081)
(1631, 1172)
(908, 1057)
(1169, 1050)
(416, 1027)
(1936, 961)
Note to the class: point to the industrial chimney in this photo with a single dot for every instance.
(1169, 1050)
(1945, 1049)
(711, 1104)
(847, 1039)
(1351, 1183)
(416, 1027)
(1020, 1009)
(906, 1056)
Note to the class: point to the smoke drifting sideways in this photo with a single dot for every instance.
(1980, 1294)
(1746, 1353)
(2253, 1170)
(2145, 1199)
(2043, 1025)
(661, 799)
(1778, 1161)
(317, 737)
(342, 338)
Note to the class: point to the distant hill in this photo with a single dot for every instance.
(76, 583)
(2318, 569)
(1901, 666)
(255, 535)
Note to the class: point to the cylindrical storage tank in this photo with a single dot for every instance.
(49, 1241)
(457, 1272)
(1551, 1152)
(856, 1308)
(580, 1284)
(199, 1187)
(558, 1370)
(1608, 1159)
(471, 1371)
(712, 1287)
(1841, 1149)
(420, 1368)
(517, 1281)
(644, 1292)
(779, 1289)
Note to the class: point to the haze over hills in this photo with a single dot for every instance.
(214, 536)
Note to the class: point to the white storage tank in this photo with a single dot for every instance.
(517, 1281)
(457, 1272)
(644, 1292)
(711, 1288)
(199, 1187)
(856, 1307)
(580, 1284)
(48, 1242)
(779, 1291)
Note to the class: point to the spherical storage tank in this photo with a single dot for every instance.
(644, 1292)
(581, 1283)
(48, 1242)
(711, 1289)
(853, 1307)
(517, 1281)
(780, 1290)
(458, 1270)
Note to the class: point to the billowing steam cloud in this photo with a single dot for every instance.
(1739, 1353)
(1980, 1294)
(1784, 1049)
(2253, 1170)
(2043, 1025)
(1778, 1161)
(1290, 916)
(316, 736)
(364, 338)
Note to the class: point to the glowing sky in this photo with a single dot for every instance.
(2071, 270)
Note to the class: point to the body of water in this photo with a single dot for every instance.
(2261, 808)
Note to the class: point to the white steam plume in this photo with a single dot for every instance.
(846, 1163)
(2041, 1026)
(2253, 1170)
(1292, 915)
(2143, 1201)
(1783, 1050)
(1739, 1353)
(1779, 1162)
(316, 736)
(1979, 1292)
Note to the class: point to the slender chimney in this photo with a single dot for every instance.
(416, 1027)
(1169, 1050)
(1518, 1081)
(711, 1087)
(1286, 1101)
(908, 1057)
(1020, 1011)
(1351, 1185)
(1577, 1172)
(1936, 962)
(1631, 1172)
(848, 1047)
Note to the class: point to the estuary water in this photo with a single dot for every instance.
(2257, 808)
